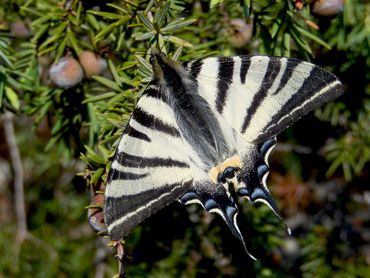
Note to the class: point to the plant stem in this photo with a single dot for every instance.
(18, 176)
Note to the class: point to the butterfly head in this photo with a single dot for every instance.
(162, 65)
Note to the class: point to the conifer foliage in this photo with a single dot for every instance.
(70, 73)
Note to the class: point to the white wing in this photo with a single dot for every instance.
(213, 116)
(260, 96)
(150, 168)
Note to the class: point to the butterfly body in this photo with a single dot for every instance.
(202, 132)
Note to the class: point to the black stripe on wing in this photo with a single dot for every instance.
(130, 203)
(288, 72)
(129, 160)
(225, 77)
(132, 132)
(195, 68)
(125, 212)
(246, 62)
(120, 175)
(153, 92)
(152, 122)
(294, 109)
(272, 71)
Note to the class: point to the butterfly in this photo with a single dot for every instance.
(202, 132)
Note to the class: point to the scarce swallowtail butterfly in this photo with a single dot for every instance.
(202, 132)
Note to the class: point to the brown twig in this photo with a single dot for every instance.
(18, 177)
(121, 259)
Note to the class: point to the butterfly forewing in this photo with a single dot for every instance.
(260, 96)
(150, 168)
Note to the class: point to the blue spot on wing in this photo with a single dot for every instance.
(214, 196)
(210, 204)
(265, 146)
(188, 196)
(262, 170)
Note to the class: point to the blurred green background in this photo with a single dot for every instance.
(59, 127)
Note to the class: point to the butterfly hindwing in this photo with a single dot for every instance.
(214, 198)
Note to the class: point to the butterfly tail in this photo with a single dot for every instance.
(219, 203)
(263, 195)
(255, 189)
